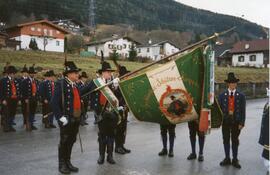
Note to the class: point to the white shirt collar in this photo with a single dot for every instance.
(230, 91)
(70, 82)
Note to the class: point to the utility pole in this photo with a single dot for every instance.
(91, 17)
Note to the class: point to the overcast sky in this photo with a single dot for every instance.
(257, 11)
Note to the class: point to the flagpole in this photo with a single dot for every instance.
(215, 35)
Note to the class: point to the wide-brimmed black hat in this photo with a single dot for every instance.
(49, 73)
(11, 69)
(70, 67)
(32, 70)
(231, 78)
(105, 67)
(123, 70)
(83, 75)
(24, 69)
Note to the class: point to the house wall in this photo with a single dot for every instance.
(169, 49)
(121, 45)
(153, 53)
(247, 62)
(51, 43)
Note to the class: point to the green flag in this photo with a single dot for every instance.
(168, 93)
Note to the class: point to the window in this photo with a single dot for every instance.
(57, 32)
(45, 31)
(124, 46)
(39, 29)
(119, 47)
(51, 32)
(57, 43)
(148, 49)
(241, 59)
(33, 28)
(252, 58)
(139, 50)
(109, 46)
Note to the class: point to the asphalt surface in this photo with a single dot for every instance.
(35, 153)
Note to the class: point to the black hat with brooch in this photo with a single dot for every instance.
(11, 70)
(70, 67)
(32, 70)
(231, 78)
(123, 71)
(49, 73)
(105, 67)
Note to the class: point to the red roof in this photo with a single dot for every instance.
(251, 46)
(41, 21)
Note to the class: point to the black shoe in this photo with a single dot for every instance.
(225, 162)
(236, 164)
(11, 129)
(85, 123)
(126, 150)
(120, 150)
(163, 152)
(192, 156)
(110, 159)
(33, 127)
(71, 167)
(100, 160)
(63, 168)
(171, 153)
(52, 126)
(200, 158)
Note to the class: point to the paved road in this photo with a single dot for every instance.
(35, 153)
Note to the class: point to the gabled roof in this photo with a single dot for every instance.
(251, 46)
(165, 41)
(38, 22)
(104, 40)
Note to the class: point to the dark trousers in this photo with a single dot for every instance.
(193, 127)
(170, 129)
(121, 130)
(84, 110)
(32, 110)
(45, 111)
(24, 111)
(231, 132)
(68, 135)
(9, 112)
(106, 134)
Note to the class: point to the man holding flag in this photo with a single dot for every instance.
(105, 105)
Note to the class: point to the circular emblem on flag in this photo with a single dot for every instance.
(175, 103)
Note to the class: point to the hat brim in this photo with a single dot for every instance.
(70, 71)
(232, 81)
(104, 70)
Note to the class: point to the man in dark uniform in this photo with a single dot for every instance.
(264, 135)
(107, 119)
(85, 100)
(233, 106)
(164, 129)
(29, 88)
(9, 95)
(193, 131)
(24, 76)
(121, 129)
(46, 91)
(66, 107)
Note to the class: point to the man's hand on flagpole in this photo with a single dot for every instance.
(116, 82)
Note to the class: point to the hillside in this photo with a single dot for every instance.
(143, 15)
(91, 65)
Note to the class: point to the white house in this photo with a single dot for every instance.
(253, 53)
(48, 36)
(156, 51)
(72, 25)
(166, 48)
(149, 51)
(107, 45)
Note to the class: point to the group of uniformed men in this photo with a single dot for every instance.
(68, 99)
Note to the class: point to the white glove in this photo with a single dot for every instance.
(116, 82)
(120, 108)
(64, 120)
